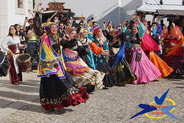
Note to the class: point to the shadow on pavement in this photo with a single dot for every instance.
(179, 87)
(16, 96)
(23, 97)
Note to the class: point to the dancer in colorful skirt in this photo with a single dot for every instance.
(84, 42)
(120, 66)
(175, 58)
(101, 61)
(140, 64)
(57, 88)
(149, 46)
(75, 66)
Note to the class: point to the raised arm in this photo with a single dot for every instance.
(142, 29)
(24, 25)
(107, 35)
(37, 25)
(37, 22)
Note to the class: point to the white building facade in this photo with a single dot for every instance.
(102, 10)
(99, 9)
(13, 12)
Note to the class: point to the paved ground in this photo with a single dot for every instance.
(20, 103)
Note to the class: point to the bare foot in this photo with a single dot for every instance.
(17, 83)
(57, 110)
(47, 111)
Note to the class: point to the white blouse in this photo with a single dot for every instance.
(8, 40)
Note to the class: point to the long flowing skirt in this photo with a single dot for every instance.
(144, 69)
(14, 72)
(110, 78)
(148, 43)
(124, 73)
(175, 58)
(82, 74)
(59, 93)
(161, 65)
(177, 63)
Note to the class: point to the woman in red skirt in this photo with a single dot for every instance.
(11, 45)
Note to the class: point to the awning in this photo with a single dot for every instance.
(171, 12)
(151, 8)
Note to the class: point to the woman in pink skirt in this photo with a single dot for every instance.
(140, 64)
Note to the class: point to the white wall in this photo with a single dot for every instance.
(10, 14)
(17, 15)
(99, 9)
(3, 18)
(129, 7)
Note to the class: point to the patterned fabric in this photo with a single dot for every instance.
(177, 50)
(93, 77)
(74, 67)
(80, 72)
(60, 100)
(49, 60)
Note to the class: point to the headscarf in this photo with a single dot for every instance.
(48, 25)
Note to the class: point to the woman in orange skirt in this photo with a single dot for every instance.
(149, 45)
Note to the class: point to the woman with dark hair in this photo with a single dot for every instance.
(57, 88)
(11, 44)
(61, 30)
(18, 29)
(110, 27)
(22, 35)
(175, 57)
(100, 58)
(75, 66)
(140, 64)
(80, 26)
(149, 46)
(33, 46)
(120, 66)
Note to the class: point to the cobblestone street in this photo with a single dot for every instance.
(20, 103)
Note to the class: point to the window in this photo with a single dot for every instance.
(20, 3)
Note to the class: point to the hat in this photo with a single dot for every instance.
(82, 30)
(117, 32)
(96, 30)
(50, 23)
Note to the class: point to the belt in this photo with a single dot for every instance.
(32, 41)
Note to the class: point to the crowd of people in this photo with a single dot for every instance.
(77, 58)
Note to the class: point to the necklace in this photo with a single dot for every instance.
(54, 39)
